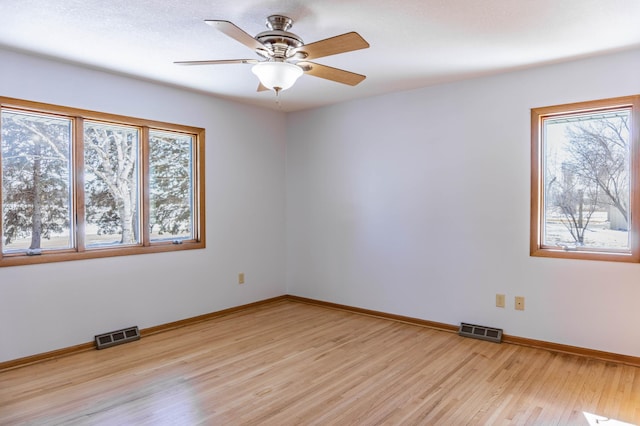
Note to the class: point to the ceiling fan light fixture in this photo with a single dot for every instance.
(277, 76)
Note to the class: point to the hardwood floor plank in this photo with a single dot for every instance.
(289, 363)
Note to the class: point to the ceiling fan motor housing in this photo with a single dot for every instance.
(278, 39)
(279, 22)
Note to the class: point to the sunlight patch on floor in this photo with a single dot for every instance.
(595, 420)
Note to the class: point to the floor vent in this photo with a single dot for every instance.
(481, 332)
(117, 337)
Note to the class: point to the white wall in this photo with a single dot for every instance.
(417, 203)
(51, 306)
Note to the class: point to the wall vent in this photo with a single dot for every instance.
(117, 337)
(481, 332)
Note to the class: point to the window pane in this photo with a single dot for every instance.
(586, 180)
(111, 184)
(171, 186)
(36, 176)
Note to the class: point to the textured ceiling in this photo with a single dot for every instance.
(414, 43)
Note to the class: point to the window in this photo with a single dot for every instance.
(80, 184)
(585, 180)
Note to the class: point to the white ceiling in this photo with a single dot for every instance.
(414, 43)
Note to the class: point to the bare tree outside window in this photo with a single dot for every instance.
(111, 184)
(574, 200)
(587, 160)
(599, 148)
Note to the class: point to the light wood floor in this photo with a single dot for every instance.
(290, 363)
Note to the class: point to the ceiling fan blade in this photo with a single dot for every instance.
(331, 46)
(330, 73)
(261, 88)
(237, 34)
(218, 62)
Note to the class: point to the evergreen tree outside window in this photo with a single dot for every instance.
(36, 182)
(170, 185)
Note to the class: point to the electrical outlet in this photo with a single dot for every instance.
(519, 303)
(500, 300)
(241, 278)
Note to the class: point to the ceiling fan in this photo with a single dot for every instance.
(286, 55)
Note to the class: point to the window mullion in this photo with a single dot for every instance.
(634, 140)
(78, 155)
(144, 187)
(198, 187)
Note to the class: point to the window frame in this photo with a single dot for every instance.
(538, 115)
(80, 250)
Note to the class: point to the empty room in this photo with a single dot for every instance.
(329, 213)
